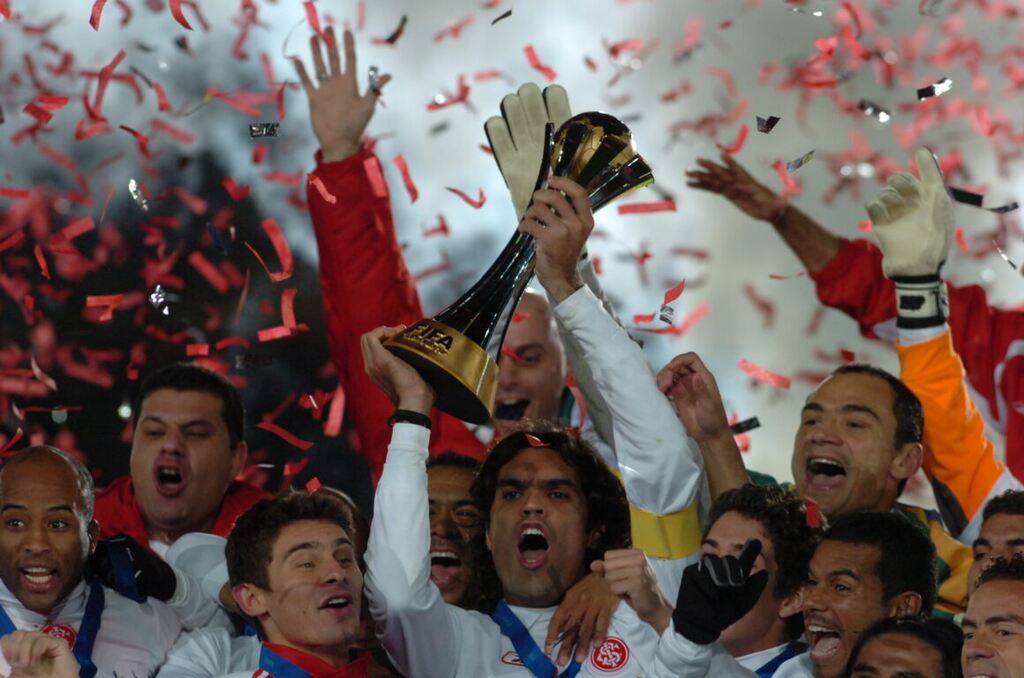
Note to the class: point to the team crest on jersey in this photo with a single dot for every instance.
(512, 659)
(611, 656)
(62, 631)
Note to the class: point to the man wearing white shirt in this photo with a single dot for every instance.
(46, 534)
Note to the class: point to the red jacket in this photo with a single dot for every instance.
(365, 284)
(117, 510)
(990, 341)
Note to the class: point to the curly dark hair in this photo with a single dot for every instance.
(1010, 502)
(784, 517)
(607, 507)
(941, 634)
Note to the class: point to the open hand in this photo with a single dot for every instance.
(338, 112)
(731, 181)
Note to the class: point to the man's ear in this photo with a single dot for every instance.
(93, 532)
(906, 604)
(250, 599)
(793, 604)
(239, 457)
(487, 537)
(906, 461)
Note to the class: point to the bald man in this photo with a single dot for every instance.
(46, 533)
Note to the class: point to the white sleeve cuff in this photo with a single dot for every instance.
(912, 337)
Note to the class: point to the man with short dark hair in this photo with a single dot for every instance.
(188, 446)
(994, 622)
(46, 533)
(908, 647)
(454, 522)
(869, 566)
(1001, 535)
(293, 568)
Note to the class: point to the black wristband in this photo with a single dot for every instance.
(410, 417)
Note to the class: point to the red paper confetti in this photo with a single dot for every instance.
(107, 302)
(197, 350)
(403, 167)
(318, 184)
(41, 260)
(767, 376)
(813, 513)
(313, 485)
(97, 11)
(673, 293)
(510, 354)
(648, 207)
(12, 241)
(284, 252)
(961, 241)
(235, 191)
(440, 229)
(455, 30)
(173, 132)
(211, 273)
(284, 435)
(178, 14)
(736, 146)
(375, 176)
(764, 306)
(475, 204)
(531, 56)
(141, 140)
(535, 441)
(42, 377)
(335, 415)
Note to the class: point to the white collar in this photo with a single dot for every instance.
(73, 604)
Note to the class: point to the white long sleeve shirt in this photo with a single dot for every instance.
(133, 638)
(211, 652)
(427, 637)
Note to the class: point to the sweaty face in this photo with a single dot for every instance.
(454, 521)
(842, 599)
(182, 462)
(1001, 536)
(45, 538)
(531, 369)
(897, 655)
(994, 631)
(727, 537)
(315, 589)
(537, 531)
(844, 456)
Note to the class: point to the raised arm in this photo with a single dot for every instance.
(421, 633)
(363, 276)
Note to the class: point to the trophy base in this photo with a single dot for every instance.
(464, 377)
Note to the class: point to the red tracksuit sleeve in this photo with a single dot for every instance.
(853, 282)
(365, 284)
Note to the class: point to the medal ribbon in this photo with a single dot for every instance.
(531, 655)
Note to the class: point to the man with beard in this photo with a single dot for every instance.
(188, 445)
(868, 567)
(46, 533)
(994, 623)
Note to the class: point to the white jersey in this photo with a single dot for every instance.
(427, 637)
(133, 638)
(211, 652)
(201, 571)
(797, 667)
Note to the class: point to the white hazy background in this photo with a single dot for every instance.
(564, 33)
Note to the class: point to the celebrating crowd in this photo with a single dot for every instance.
(610, 528)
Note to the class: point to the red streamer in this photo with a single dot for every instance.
(475, 204)
(284, 435)
(403, 167)
(762, 374)
(534, 60)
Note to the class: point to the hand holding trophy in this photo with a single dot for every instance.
(456, 352)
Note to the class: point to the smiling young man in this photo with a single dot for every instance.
(868, 567)
(187, 447)
(994, 623)
(46, 534)
(454, 522)
(1002, 533)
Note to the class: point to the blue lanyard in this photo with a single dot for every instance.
(87, 630)
(278, 666)
(792, 650)
(535, 660)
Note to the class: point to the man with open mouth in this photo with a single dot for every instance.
(868, 567)
(46, 533)
(188, 445)
(454, 522)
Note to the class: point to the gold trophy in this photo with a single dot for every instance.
(456, 352)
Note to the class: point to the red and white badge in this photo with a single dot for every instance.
(66, 633)
(612, 655)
